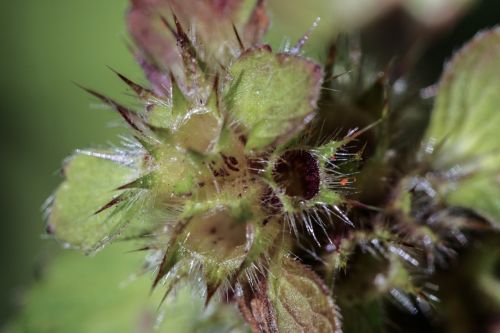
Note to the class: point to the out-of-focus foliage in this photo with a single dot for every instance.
(45, 116)
(465, 125)
(100, 295)
(292, 17)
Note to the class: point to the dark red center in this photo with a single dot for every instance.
(297, 172)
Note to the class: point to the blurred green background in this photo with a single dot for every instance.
(47, 44)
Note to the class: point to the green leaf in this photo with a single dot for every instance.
(98, 294)
(481, 193)
(91, 182)
(465, 126)
(272, 96)
(300, 300)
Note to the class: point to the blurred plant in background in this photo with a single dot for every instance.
(395, 216)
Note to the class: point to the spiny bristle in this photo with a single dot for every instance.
(169, 258)
(238, 38)
(141, 92)
(113, 202)
(131, 117)
(192, 62)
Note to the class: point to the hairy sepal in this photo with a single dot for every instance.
(272, 96)
(88, 209)
(291, 298)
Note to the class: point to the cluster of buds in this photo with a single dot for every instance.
(232, 179)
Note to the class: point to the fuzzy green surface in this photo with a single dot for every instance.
(300, 300)
(272, 95)
(99, 294)
(91, 183)
(466, 124)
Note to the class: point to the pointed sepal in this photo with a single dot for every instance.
(87, 209)
(272, 96)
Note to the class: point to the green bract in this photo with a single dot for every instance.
(301, 300)
(273, 96)
(93, 178)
